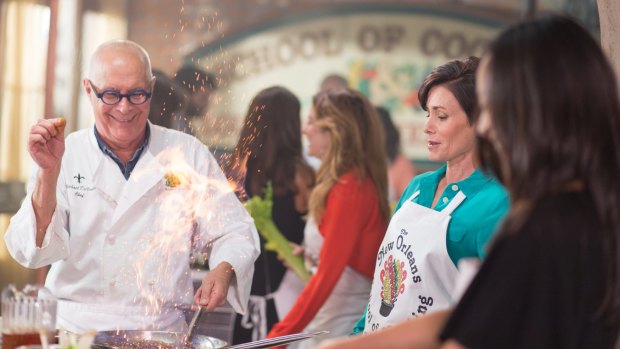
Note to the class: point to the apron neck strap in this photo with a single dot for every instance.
(456, 201)
(415, 195)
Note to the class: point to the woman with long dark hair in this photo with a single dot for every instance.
(269, 150)
(549, 127)
(555, 138)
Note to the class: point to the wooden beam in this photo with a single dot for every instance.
(609, 17)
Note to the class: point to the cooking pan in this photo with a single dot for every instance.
(164, 340)
(154, 340)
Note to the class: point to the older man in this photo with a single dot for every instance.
(116, 209)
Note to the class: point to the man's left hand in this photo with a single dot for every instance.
(212, 293)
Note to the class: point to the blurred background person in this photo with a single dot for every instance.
(166, 100)
(400, 169)
(443, 216)
(197, 86)
(334, 81)
(269, 150)
(330, 81)
(348, 215)
(551, 279)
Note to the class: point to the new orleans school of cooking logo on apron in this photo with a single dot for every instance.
(392, 277)
(414, 274)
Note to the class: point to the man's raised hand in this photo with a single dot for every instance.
(46, 142)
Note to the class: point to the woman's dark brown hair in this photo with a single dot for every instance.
(459, 77)
(270, 143)
(555, 114)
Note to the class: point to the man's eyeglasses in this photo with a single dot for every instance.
(111, 97)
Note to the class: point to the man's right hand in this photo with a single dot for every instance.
(46, 143)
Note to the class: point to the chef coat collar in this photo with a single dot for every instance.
(131, 164)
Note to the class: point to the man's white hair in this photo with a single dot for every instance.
(123, 45)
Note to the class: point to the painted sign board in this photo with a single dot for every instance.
(385, 54)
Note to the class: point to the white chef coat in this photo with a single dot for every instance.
(120, 249)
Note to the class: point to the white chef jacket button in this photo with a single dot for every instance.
(112, 283)
(455, 187)
(445, 200)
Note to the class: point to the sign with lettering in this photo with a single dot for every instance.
(384, 55)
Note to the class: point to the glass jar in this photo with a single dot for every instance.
(28, 316)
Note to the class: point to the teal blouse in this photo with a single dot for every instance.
(476, 218)
(472, 223)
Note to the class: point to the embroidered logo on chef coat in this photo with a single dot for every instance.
(79, 178)
(79, 186)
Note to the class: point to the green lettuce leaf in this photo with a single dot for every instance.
(260, 209)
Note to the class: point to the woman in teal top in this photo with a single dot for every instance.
(443, 216)
(472, 224)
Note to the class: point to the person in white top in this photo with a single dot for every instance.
(117, 209)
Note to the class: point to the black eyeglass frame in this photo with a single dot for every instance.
(120, 95)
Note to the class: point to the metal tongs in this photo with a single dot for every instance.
(273, 342)
(192, 324)
(192, 327)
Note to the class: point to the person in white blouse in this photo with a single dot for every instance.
(118, 208)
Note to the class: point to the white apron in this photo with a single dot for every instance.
(414, 274)
(286, 295)
(283, 298)
(342, 308)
